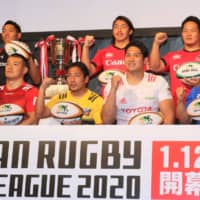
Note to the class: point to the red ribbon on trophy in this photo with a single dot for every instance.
(76, 47)
(43, 45)
(73, 56)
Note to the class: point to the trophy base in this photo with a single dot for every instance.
(53, 90)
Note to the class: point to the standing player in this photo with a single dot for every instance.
(112, 56)
(190, 32)
(12, 31)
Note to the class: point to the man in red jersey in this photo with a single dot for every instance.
(111, 57)
(190, 32)
(16, 91)
(11, 31)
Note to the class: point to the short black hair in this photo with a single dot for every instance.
(17, 26)
(127, 21)
(138, 44)
(81, 66)
(194, 19)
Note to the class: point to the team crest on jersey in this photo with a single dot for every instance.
(151, 78)
(176, 56)
(27, 87)
(123, 100)
(109, 55)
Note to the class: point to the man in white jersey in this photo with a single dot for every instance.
(137, 91)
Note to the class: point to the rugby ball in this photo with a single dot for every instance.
(107, 75)
(193, 109)
(17, 47)
(147, 118)
(66, 111)
(188, 70)
(11, 114)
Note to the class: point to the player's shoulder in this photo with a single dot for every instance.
(29, 87)
(93, 96)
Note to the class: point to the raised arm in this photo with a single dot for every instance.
(41, 110)
(155, 62)
(109, 109)
(34, 71)
(85, 58)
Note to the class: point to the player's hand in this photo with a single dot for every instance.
(116, 80)
(191, 81)
(89, 41)
(47, 82)
(160, 38)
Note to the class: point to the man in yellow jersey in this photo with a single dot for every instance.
(77, 76)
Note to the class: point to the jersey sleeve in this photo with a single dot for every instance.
(166, 59)
(31, 98)
(97, 110)
(164, 90)
(98, 61)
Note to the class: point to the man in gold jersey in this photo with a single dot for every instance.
(77, 76)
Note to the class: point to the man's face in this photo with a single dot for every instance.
(134, 59)
(10, 33)
(76, 80)
(121, 31)
(15, 68)
(191, 34)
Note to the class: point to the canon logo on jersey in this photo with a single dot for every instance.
(114, 62)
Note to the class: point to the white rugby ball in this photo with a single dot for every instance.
(188, 70)
(107, 75)
(193, 109)
(11, 114)
(147, 118)
(18, 47)
(66, 110)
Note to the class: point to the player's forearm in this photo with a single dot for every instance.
(85, 58)
(181, 113)
(34, 72)
(30, 120)
(154, 58)
(109, 109)
(41, 110)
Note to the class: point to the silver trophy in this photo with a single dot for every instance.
(59, 56)
(59, 59)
